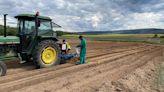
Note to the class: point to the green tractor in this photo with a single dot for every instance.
(35, 41)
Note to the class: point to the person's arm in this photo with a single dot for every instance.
(79, 45)
(68, 45)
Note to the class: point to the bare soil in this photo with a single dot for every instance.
(110, 67)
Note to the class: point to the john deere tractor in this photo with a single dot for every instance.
(34, 41)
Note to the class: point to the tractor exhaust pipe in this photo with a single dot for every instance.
(5, 25)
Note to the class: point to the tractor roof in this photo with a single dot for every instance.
(32, 16)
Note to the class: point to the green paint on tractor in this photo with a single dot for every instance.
(9, 40)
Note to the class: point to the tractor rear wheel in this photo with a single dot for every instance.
(3, 68)
(46, 54)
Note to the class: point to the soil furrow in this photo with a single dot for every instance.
(116, 73)
(92, 71)
(35, 72)
(32, 67)
(31, 73)
(50, 75)
(100, 53)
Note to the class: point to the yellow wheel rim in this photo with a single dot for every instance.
(49, 55)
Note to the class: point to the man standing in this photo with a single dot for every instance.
(82, 46)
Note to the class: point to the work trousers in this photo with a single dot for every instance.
(82, 59)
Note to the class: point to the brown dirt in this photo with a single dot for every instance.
(110, 67)
(141, 80)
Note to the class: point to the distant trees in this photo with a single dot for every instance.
(155, 36)
(60, 33)
(9, 30)
(13, 31)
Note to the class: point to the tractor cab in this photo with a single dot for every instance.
(30, 28)
(29, 24)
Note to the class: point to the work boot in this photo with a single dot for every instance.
(22, 61)
(77, 63)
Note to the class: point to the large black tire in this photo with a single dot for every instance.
(3, 68)
(38, 59)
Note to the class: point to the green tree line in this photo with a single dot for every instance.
(60, 33)
(12, 31)
(9, 30)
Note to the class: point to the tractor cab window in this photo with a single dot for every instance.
(44, 27)
(29, 26)
(26, 26)
(20, 25)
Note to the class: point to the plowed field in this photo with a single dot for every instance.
(108, 64)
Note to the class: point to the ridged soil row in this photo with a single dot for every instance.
(34, 79)
(88, 85)
(73, 79)
(28, 67)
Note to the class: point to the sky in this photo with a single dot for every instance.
(90, 15)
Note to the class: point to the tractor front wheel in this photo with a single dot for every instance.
(46, 54)
(3, 68)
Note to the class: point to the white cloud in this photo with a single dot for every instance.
(95, 20)
(1, 21)
(92, 15)
(144, 20)
(60, 3)
(10, 21)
